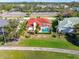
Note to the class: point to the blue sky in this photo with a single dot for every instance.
(38, 0)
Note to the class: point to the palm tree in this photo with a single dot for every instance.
(11, 30)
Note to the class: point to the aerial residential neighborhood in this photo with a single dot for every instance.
(39, 30)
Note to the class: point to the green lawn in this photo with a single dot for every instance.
(53, 42)
(35, 55)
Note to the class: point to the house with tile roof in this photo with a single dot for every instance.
(43, 25)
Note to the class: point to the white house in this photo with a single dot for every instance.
(67, 24)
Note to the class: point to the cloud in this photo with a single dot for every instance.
(4, 0)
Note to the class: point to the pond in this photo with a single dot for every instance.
(73, 38)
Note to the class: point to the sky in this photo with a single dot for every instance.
(38, 0)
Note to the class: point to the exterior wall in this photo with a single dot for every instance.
(30, 28)
(44, 29)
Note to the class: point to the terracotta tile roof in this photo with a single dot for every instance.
(39, 21)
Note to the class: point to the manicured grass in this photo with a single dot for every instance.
(53, 42)
(35, 55)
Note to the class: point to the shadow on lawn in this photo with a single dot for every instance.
(72, 38)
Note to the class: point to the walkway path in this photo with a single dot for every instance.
(41, 49)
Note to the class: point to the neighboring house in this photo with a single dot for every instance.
(14, 9)
(3, 23)
(75, 8)
(42, 6)
(43, 25)
(48, 5)
(44, 14)
(67, 25)
(66, 6)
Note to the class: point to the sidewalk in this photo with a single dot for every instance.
(41, 49)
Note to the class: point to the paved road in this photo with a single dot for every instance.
(41, 49)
